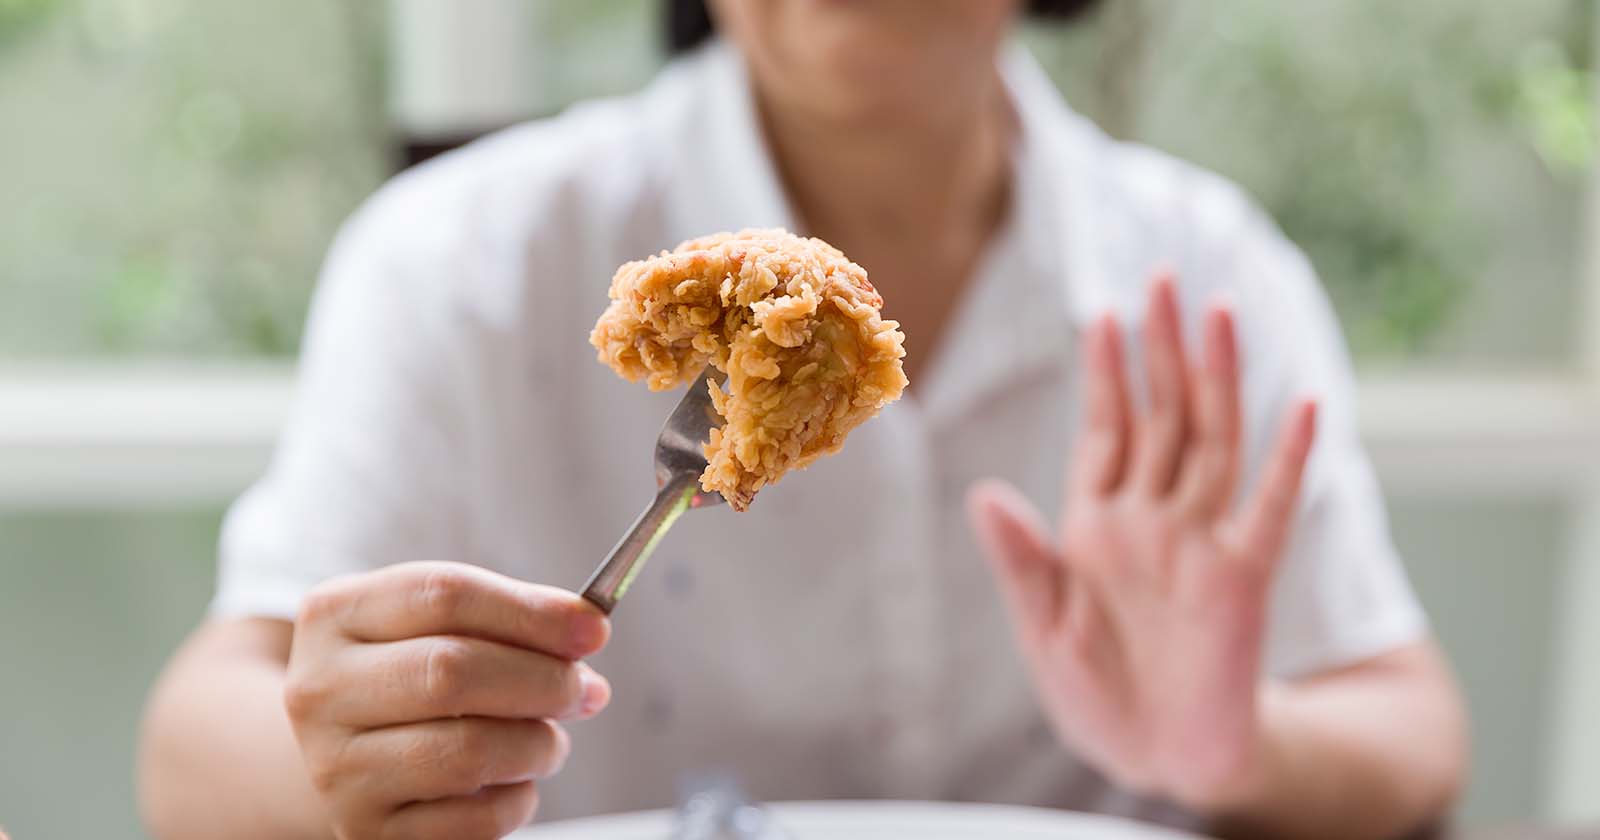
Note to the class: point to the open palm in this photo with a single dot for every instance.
(1142, 619)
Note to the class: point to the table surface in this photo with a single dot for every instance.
(886, 820)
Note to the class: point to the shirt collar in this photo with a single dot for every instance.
(1040, 280)
(1056, 171)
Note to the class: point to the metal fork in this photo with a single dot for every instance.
(680, 459)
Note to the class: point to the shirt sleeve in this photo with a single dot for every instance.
(367, 471)
(1341, 594)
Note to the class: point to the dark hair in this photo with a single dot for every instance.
(689, 22)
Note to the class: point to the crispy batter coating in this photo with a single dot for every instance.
(792, 322)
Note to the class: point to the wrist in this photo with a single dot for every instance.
(1237, 781)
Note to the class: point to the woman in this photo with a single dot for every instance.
(1218, 630)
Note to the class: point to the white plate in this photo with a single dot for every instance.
(879, 821)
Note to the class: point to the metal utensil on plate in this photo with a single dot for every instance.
(680, 459)
(712, 807)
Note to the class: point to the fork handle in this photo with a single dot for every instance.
(610, 582)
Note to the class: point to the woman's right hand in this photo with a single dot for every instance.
(425, 697)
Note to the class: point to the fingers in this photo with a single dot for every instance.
(453, 676)
(403, 781)
(429, 599)
(1266, 519)
(1101, 452)
(434, 683)
(489, 814)
(1211, 466)
(1163, 429)
(437, 759)
(1014, 538)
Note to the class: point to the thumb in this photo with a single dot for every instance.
(1014, 537)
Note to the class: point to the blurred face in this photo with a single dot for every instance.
(866, 59)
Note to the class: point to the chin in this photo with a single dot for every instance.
(864, 59)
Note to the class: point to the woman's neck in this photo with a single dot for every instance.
(914, 199)
(906, 176)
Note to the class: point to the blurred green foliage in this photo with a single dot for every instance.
(184, 163)
(595, 48)
(17, 15)
(181, 167)
(1555, 103)
(1410, 149)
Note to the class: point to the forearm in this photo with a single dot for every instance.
(218, 758)
(1374, 752)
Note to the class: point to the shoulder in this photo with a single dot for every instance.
(1145, 210)
(511, 185)
(475, 226)
(1196, 221)
(1136, 210)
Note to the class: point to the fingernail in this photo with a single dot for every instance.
(596, 692)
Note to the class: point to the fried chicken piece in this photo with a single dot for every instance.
(792, 322)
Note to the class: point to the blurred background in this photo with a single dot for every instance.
(171, 172)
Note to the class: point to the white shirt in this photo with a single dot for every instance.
(843, 638)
